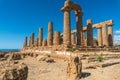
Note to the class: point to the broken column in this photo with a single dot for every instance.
(89, 33)
(56, 40)
(110, 35)
(50, 34)
(40, 36)
(67, 28)
(25, 42)
(104, 35)
(79, 28)
(99, 36)
(44, 43)
(73, 38)
(74, 68)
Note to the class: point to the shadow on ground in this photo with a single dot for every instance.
(85, 74)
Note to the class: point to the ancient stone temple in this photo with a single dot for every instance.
(82, 37)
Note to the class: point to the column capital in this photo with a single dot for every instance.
(78, 13)
(99, 26)
(68, 9)
(89, 21)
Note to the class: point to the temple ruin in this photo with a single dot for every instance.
(63, 41)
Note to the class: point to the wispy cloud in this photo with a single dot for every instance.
(117, 31)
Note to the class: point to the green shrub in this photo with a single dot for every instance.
(100, 58)
(72, 49)
(48, 55)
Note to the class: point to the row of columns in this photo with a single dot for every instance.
(52, 40)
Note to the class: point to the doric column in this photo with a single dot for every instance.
(50, 34)
(110, 35)
(56, 40)
(25, 42)
(79, 27)
(89, 33)
(67, 28)
(44, 43)
(84, 38)
(37, 42)
(104, 35)
(73, 38)
(32, 40)
(100, 36)
(40, 36)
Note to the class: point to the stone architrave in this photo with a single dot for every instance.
(104, 35)
(89, 33)
(56, 40)
(50, 34)
(40, 36)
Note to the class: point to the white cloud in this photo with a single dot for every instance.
(117, 31)
(116, 39)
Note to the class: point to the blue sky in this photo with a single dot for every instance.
(19, 18)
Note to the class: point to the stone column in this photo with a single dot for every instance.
(110, 35)
(89, 33)
(50, 34)
(73, 38)
(79, 27)
(32, 40)
(67, 28)
(25, 42)
(104, 35)
(37, 42)
(56, 40)
(40, 36)
(44, 43)
(99, 36)
(84, 38)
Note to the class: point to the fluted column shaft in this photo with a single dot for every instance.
(67, 28)
(99, 37)
(50, 34)
(104, 35)
(110, 35)
(40, 36)
(79, 28)
(56, 40)
(44, 43)
(73, 39)
(25, 42)
(89, 33)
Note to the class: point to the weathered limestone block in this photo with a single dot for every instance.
(13, 71)
(74, 68)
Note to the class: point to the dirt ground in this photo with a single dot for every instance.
(57, 71)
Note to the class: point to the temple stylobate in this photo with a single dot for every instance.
(81, 37)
